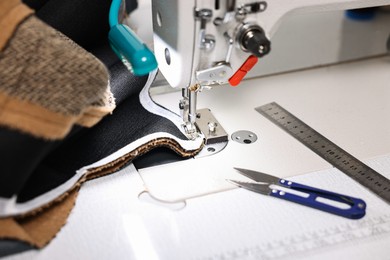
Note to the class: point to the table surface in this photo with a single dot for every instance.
(348, 103)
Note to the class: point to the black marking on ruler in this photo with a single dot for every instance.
(329, 151)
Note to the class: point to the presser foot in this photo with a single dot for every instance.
(207, 127)
(191, 130)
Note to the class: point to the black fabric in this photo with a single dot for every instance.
(129, 122)
(158, 156)
(9, 247)
(20, 154)
(49, 164)
(34, 4)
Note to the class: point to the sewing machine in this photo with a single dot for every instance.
(210, 54)
(200, 44)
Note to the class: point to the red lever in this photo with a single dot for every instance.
(243, 70)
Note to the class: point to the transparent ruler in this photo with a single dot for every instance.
(302, 245)
(329, 151)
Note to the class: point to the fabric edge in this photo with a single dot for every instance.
(40, 226)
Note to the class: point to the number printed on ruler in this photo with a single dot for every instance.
(329, 151)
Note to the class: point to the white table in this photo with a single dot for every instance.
(348, 103)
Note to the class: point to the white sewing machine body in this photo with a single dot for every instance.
(189, 54)
(206, 43)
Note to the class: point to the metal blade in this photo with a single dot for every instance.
(256, 187)
(258, 176)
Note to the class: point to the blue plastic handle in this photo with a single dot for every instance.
(356, 210)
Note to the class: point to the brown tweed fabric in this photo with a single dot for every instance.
(48, 83)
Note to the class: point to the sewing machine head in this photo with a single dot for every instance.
(202, 43)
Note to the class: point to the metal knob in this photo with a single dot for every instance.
(252, 39)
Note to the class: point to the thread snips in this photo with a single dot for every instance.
(266, 184)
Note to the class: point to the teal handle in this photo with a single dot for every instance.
(135, 54)
(127, 46)
(113, 14)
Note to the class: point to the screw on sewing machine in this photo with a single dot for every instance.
(207, 42)
(245, 9)
(240, 13)
(212, 126)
